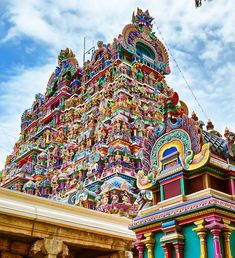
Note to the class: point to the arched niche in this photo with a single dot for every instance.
(143, 49)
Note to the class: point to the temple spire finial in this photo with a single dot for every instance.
(209, 125)
(142, 18)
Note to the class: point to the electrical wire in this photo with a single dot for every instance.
(8, 139)
(180, 70)
(9, 135)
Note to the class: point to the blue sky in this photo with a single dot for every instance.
(32, 32)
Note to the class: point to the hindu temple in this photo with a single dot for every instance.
(111, 136)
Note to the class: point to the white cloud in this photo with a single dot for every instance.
(19, 96)
(212, 51)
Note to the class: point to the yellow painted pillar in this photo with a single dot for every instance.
(201, 232)
(226, 235)
(149, 241)
(227, 249)
(203, 248)
(150, 250)
(206, 181)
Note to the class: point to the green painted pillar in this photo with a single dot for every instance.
(182, 186)
(162, 193)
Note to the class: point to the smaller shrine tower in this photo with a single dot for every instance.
(190, 172)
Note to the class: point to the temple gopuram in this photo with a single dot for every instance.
(111, 136)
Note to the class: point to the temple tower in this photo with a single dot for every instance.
(81, 142)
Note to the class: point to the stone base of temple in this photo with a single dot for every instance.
(19, 247)
(36, 227)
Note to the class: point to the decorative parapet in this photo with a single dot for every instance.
(202, 204)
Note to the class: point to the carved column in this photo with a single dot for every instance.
(122, 254)
(128, 254)
(226, 235)
(20, 248)
(231, 186)
(149, 242)
(10, 255)
(215, 228)
(140, 249)
(179, 249)
(4, 245)
(182, 186)
(206, 181)
(14, 249)
(201, 232)
(140, 245)
(167, 251)
(216, 233)
(162, 193)
(51, 255)
(53, 247)
(172, 238)
(50, 247)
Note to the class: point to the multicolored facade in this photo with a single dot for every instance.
(114, 137)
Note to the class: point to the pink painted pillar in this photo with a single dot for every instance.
(231, 186)
(215, 226)
(179, 250)
(140, 245)
(167, 251)
(217, 249)
(140, 248)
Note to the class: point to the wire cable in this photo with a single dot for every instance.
(177, 65)
(8, 138)
(9, 135)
